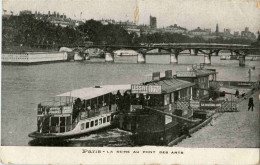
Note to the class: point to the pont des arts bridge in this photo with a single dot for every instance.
(174, 50)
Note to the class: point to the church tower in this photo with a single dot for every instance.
(217, 28)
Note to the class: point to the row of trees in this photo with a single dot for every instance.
(110, 34)
(27, 31)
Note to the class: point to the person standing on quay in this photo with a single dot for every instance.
(251, 104)
(237, 93)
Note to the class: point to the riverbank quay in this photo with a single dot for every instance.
(230, 130)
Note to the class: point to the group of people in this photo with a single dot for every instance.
(124, 101)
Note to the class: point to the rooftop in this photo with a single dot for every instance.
(170, 85)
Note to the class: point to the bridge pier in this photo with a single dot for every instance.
(174, 55)
(242, 56)
(207, 56)
(109, 57)
(140, 58)
(207, 59)
(242, 60)
(174, 58)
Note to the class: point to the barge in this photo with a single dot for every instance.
(155, 111)
(33, 57)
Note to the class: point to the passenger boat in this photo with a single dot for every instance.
(83, 111)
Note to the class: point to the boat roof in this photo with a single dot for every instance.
(173, 84)
(92, 92)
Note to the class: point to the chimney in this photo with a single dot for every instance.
(156, 76)
(168, 74)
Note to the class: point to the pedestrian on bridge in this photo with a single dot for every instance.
(251, 104)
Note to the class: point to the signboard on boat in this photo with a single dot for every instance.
(194, 104)
(210, 104)
(67, 109)
(185, 74)
(146, 89)
(55, 110)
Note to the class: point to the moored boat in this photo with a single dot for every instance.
(84, 111)
(155, 111)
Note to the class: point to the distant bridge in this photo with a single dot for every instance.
(208, 49)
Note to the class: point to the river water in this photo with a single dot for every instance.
(23, 87)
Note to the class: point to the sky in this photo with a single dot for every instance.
(233, 14)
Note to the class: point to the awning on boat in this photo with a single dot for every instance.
(92, 92)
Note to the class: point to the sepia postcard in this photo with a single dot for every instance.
(130, 82)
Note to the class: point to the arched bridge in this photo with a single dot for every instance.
(208, 49)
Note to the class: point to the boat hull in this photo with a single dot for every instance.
(37, 135)
(160, 137)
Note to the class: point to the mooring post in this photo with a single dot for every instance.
(174, 56)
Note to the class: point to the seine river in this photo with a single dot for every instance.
(23, 87)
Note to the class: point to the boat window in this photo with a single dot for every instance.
(104, 120)
(156, 100)
(82, 126)
(188, 92)
(106, 100)
(176, 96)
(92, 124)
(112, 98)
(108, 118)
(68, 121)
(39, 123)
(62, 121)
(94, 103)
(172, 97)
(96, 122)
(88, 104)
(100, 121)
(87, 124)
(166, 99)
(100, 101)
(54, 121)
